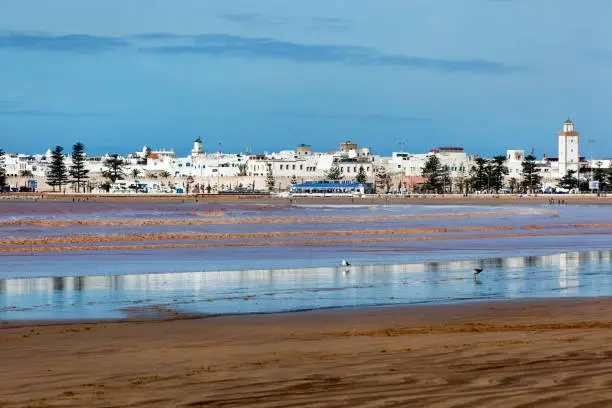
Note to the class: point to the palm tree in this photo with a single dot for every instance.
(135, 173)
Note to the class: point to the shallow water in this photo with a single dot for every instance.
(108, 280)
(31, 261)
(569, 274)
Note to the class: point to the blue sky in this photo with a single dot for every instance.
(488, 75)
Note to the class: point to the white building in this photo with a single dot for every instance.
(514, 162)
(569, 149)
(302, 164)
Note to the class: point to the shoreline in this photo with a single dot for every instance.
(510, 352)
(449, 199)
(154, 315)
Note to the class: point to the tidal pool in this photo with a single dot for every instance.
(567, 274)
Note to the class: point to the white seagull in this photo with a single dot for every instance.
(345, 263)
(476, 271)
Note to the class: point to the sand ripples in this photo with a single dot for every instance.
(522, 357)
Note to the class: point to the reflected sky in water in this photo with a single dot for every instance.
(573, 274)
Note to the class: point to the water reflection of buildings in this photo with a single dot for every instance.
(567, 265)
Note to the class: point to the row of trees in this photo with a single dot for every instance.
(485, 175)
(59, 174)
(570, 181)
(603, 177)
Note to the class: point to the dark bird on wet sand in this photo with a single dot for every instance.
(476, 271)
(345, 263)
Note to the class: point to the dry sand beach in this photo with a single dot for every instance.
(503, 354)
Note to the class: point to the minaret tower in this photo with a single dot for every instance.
(197, 147)
(569, 149)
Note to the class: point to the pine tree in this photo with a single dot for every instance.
(270, 181)
(334, 173)
(569, 181)
(531, 177)
(480, 174)
(58, 173)
(445, 179)
(114, 168)
(601, 175)
(432, 171)
(498, 171)
(78, 171)
(383, 180)
(361, 175)
(2, 171)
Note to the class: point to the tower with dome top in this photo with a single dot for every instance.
(569, 149)
(197, 147)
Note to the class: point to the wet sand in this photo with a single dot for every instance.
(296, 243)
(262, 220)
(503, 354)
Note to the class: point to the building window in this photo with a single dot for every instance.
(294, 167)
(281, 166)
(301, 167)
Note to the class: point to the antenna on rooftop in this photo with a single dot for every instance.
(401, 145)
(531, 151)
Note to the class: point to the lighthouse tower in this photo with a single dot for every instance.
(569, 149)
(197, 147)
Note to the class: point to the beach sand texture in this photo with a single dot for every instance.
(503, 354)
